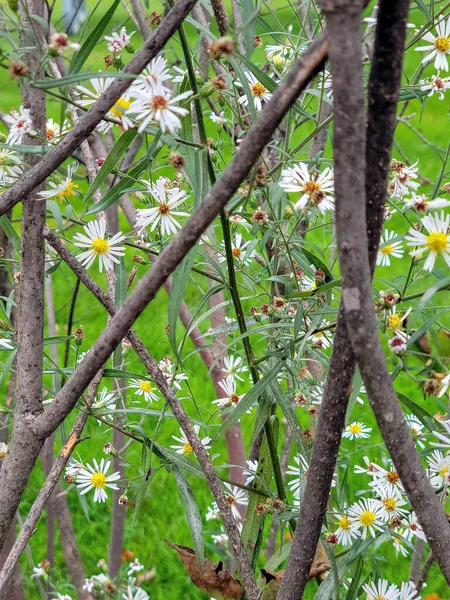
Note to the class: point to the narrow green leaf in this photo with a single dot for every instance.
(420, 412)
(289, 413)
(298, 321)
(7, 366)
(425, 327)
(11, 233)
(112, 160)
(50, 82)
(193, 515)
(442, 284)
(55, 209)
(262, 414)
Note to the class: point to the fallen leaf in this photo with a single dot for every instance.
(214, 580)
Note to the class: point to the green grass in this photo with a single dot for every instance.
(162, 514)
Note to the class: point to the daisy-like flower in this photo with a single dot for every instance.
(72, 470)
(389, 248)
(184, 446)
(238, 247)
(402, 177)
(437, 240)
(5, 344)
(259, 93)
(158, 105)
(106, 249)
(435, 85)
(134, 593)
(439, 468)
(300, 472)
(10, 165)
(413, 528)
(408, 591)
(356, 431)
(395, 320)
(134, 567)
(20, 124)
(422, 204)
(218, 119)
(381, 590)
(118, 111)
(365, 517)
(153, 76)
(64, 190)
(344, 532)
(445, 383)
(234, 365)
(238, 219)
(106, 402)
(438, 46)
(316, 190)
(384, 482)
(252, 467)
(4, 450)
(416, 428)
(168, 370)
(181, 74)
(221, 539)
(320, 340)
(163, 214)
(143, 388)
(235, 497)
(398, 344)
(118, 41)
(59, 43)
(229, 387)
(96, 478)
(213, 512)
(53, 131)
(391, 505)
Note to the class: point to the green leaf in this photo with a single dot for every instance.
(192, 514)
(425, 327)
(56, 339)
(298, 321)
(7, 366)
(289, 413)
(11, 233)
(249, 14)
(262, 414)
(421, 413)
(429, 293)
(50, 82)
(247, 401)
(112, 160)
(93, 39)
(178, 459)
(55, 209)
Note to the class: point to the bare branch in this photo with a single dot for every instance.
(220, 12)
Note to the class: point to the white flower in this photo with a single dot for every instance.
(435, 85)
(107, 250)
(134, 567)
(388, 248)
(252, 467)
(64, 190)
(416, 428)
(413, 528)
(408, 591)
(365, 517)
(398, 344)
(53, 131)
(162, 214)
(220, 539)
(218, 119)
(233, 365)
(20, 124)
(439, 46)
(63, 597)
(167, 367)
(152, 77)
(72, 470)
(345, 533)
(259, 93)
(445, 383)
(213, 512)
(4, 449)
(10, 165)
(118, 41)
(144, 388)
(184, 445)
(158, 105)
(229, 387)
(182, 74)
(437, 240)
(300, 472)
(39, 572)
(421, 203)
(381, 591)
(235, 497)
(105, 403)
(95, 478)
(391, 505)
(238, 219)
(395, 321)
(238, 246)
(383, 481)
(439, 466)
(59, 42)
(6, 344)
(401, 182)
(316, 190)
(134, 593)
(356, 431)
(118, 111)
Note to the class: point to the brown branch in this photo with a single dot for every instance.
(141, 18)
(220, 12)
(88, 122)
(384, 83)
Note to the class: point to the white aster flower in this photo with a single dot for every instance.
(365, 517)
(221, 539)
(391, 505)
(65, 189)
(435, 85)
(235, 497)
(413, 528)
(168, 369)
(144, 388)
(63, 597)
(416, 428)
(153, 76)
(408, 591)
(106, 249)
(300, 472)
(238, 219)
(118, 111)
(10, 165)
(134, 593)
(95, 478)
(234, 365)
(384, 481)
(316, 190)
(389, 248)
(398, 344)
(134, 567)
(402, 177)
(437, 240)
(163, 214)
(344, 532)
(259, 93)
(422, 204)
(6, 344)
(180, 76)
(105, 404)
(118, 41)
(381, 590)
(439, 468)
(395, 320)
(184, 446)
(218, 119)
(212, 512)
(238, 247)
(4, 450)
(398, 543)
(59, 43)
(445, 383)
(158, 105)
(20, 124)
(438, 46)
(229, 387)
(252, 467)
(53, 131)
(356, 431)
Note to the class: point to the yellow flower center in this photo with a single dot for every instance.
(164, 208)
(68, 190)
(443, 472)
(258, 90)
(100, 246)
(367, 518)
(392, 477)
(394, 320)
(236, 252)
(344, 523)
(390, 504)
(187, 449)
(2, 454)
(231, 499)
(355, 428)
(98, 480)
(50, 133)
(442, 44)
(158, 102)
(234, 399)
(145, 386)
(386, 249)
(120, 107)
(311, 186)
(437, 242)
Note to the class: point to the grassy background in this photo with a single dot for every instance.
(162, 514)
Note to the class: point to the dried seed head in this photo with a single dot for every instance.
(259, 217)
(78, 334)
(394, 523)
(397, 165)
(260, 175)
(257, 41)
(431, 387)
(17, 68)
(218, 83)
(261, 509)
(300, 399)
(446, 188)
(222, 47)
(332, 538)
(265, 309)
(154, 19)
(108, 59)
(176, 160)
